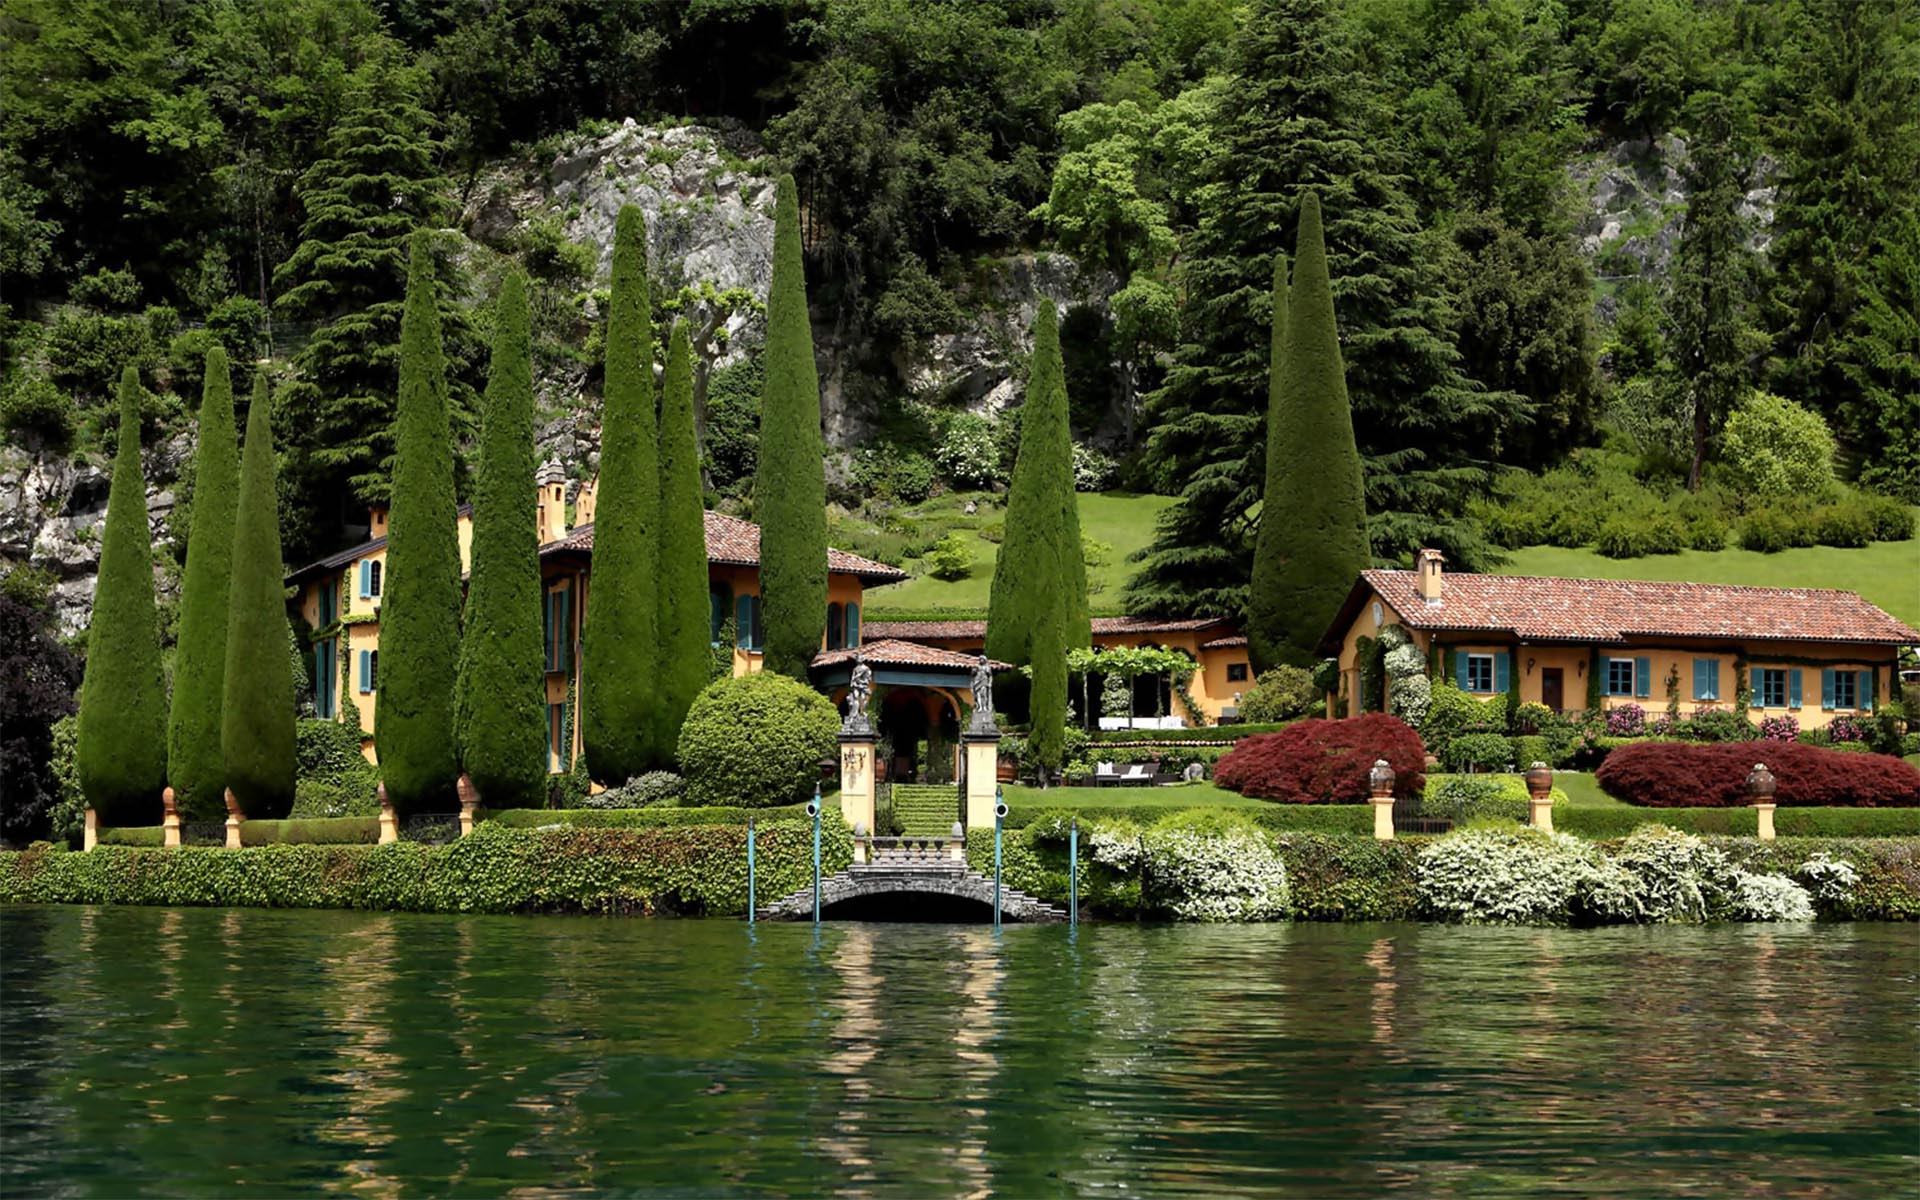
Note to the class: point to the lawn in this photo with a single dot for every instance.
(1885, 573)
(1187, 795)
(1122, 520)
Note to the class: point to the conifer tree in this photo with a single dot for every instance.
(256, 728)
(790, 485)
(420, 606)
(1313, 526)
(684, 633)
(1040, 565)
(620, 682)
(1047, 703)
(500, 696)
(121, 756)
(196, 767)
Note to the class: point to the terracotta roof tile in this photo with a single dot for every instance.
(1612, 610)
(876, 630)
(1232, 642)
(737, 543)
(893, 652)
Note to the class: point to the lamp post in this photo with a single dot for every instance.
(1073, 872)
(750, 881)
(999, 819)
(1761, 786)
(1540, 797)
(1380, 781)
(813, 811)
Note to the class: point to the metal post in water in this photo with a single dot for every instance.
(750, 897)
(1073, 872)
(813, 810)
(999, 817)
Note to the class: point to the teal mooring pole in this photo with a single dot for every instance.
(1073, 871)
(999, 816)
(813, 810)
(749, 870)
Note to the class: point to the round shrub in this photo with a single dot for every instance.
(1497, 876)
(1325, 762)
(756, 741)
(1487, 751)
(1463, 798)
(1281, 694)
(1774, 447)
(1683, 775)
(36, 408)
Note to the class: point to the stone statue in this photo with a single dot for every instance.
(859, 692)
(980, 680)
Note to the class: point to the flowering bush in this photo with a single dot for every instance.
(1532, 717)
(1716, 725)
(1771, 898)
(1629, 720)
(1202, 868)
(1782, 728)
(1683, 775)
(1092, 470)
(1829, 880)
(1846, 729)
(1325, 762)
(969, 452)
(1680, 877)
(1495, 876)
(642, 791)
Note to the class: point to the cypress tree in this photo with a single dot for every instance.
(121, 755)
(1316, 544)
(1265, 621)
(684, 634)
(790, 485)
(256, 729)
(620, 680)
(196, 766)
(420, 610)
(500, 695)
(1047, 705)
(1040, 565)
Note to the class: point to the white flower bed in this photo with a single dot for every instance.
(1771, 898)
(1224, 875)
(1481, 876)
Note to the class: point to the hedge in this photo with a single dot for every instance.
(1281, 818)
(1203, 734)
(1609, 821)
(1682, 775)
(643, 818)
(694, 870)
(133, 835)
(318, 831)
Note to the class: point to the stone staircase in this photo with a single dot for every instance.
(907, 867)
(926, 810)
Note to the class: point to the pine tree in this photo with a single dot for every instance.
(256, 728)
(420, 608)
(684, 634)
(1302, 116)
(790, 486)
(500, 696)
(1265, 622)
(1040, 566)
(196, 766)
(620, 682)
(121, 756)
(1883, 358)
(1315, 545)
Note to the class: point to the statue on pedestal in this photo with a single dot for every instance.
(980, 681)
(859, 692)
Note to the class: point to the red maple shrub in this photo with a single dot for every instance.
(1714, 775)
(1324, 762)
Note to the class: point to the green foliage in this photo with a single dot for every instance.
(1774, 447)
(620, 702)
(969, 453)
(420, 605)
(122, 753)
(951, 557)
(756, 741)
(257, 687)
(642, 791)
(196, 765)
(34, 412)
(640, 818)
(684, 633)
(790, 483)
(732, 450)
(1884, 355)
(37, 678)
(1281, 694)
(1620, 820)
(331, 777)
(360, 830)
(500, 689)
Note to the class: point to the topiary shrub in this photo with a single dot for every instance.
(1681, 775)
(1462, 798)
(1325, 762)
(756, 741)
(1281, 694)
(1482, 751)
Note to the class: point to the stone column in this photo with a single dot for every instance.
(857, 778)
(1540, 797)
(1763, 815)
(389, 821)
(234, 817)
(983, 764)
(469, 801)
(1761, 787)
(169, 820)
(1380, 781)
(91, 837)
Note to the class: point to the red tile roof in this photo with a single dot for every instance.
(1613, 610)
(1234, 642)
(892, 652)
(1111, 626)
(734, 542)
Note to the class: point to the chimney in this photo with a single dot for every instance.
(550, 489)
(377, 521)
(1430, 581)
(583, 501)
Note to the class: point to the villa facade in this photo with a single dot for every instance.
(1586, 644)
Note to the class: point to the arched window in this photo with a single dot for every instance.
(836, 626)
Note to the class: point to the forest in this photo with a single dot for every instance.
(178, 175)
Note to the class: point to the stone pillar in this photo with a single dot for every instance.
(860, 835)
(169, 820)
(957, 845)
(1761, 787)
(1380, 781)
(469, 801)
(1540, 797)
(983, 765)
(1763, 814)
(234, 817)
(91, 837)
(389, 821)
(858, 782)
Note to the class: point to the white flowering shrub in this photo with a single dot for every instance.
(1681, 877)
(1227, 872)
(1410, 698)
(1770, 898)
(1607, 893)
(1493, 876)
(1116, 846)
(969, 452)
(1830, 881)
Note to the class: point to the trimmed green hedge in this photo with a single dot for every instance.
(1618, 821)
(644, 818)
(314, 831)
(1281, 818)
(132, 835)
(1223, 734)
(691, 870)
(1889, 887)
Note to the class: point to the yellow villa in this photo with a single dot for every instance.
(1574, 644)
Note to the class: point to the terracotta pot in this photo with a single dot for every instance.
(1005, 770)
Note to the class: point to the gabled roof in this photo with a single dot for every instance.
(975, 629)
(733, 542)
(892, 652)
(1544, 608)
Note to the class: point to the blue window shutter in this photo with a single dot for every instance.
(759, 633)
(1460, 671)
(853, 624)
(716, 615)
(564, 650)
(366, 671)
(1643, 676)
(1501, 672)
(1713, 677)
(1869, 682)
(743, 622)
(836, 626)
(1826, 688)
(366, 578)
(1793, 688)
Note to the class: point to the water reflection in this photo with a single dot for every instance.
(241, 1052)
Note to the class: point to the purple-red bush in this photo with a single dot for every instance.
(1324, 762)
(1686, 775)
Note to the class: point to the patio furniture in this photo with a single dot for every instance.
(1104, 774)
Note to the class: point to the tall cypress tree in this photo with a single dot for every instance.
(499, 696)
(684, 634)
(195, 765)
(256, 729)
(1047, 703)
(122, 752)
(420, 608)
(619, 681)
(1040, 565)
(1265, 623)
(1313, 525)
(790, 485)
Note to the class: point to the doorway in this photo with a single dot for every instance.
(1553, 688)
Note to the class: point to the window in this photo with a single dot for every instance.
(836, 626)
(329, 602)
(853, 623)
(1479, 672)
(1706, 679)
(719, 600)
(1846, 689)
(1236, 672)
(747, 634)
(557, 630)
(1620, 677)
(370, 579)
(369, 670)
(1772, 689)
(557, 737)
(323, 679)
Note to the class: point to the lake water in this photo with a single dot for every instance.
(255, 1053)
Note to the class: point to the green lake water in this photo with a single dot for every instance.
(226, 1052)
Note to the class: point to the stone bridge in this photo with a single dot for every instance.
(896, 887)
